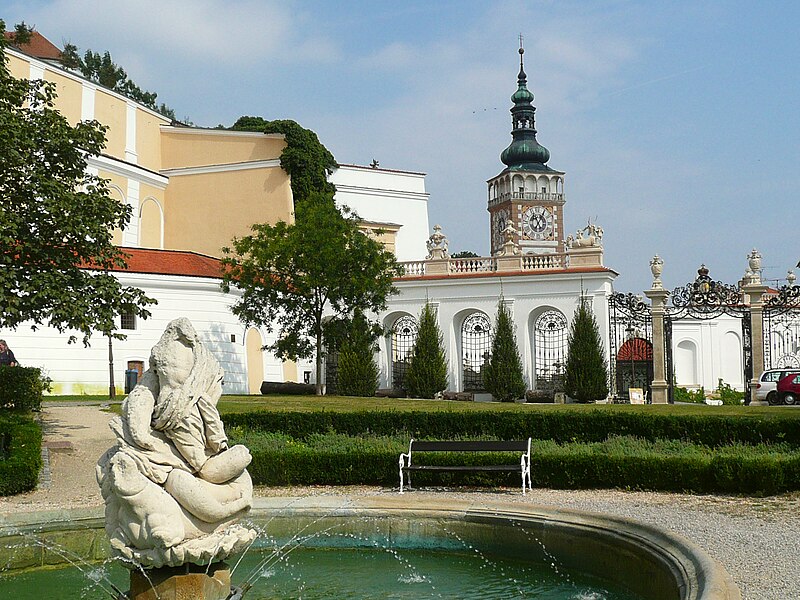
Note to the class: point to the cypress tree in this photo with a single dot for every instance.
(586, 373)
(427, 371)
(357, 373)
(502, 377)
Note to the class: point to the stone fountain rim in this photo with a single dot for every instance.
(701, 577)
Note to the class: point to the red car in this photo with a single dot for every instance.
(789, 389)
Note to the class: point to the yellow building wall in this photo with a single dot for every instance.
(182, 149)
(112, 111)
(21, 69)
(118, 187)
(70, 96)
(204, 212)
(148, 139)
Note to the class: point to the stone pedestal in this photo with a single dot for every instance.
(659, 388)
(437, 266)
(754, 296)
(509, 263)
(189, 582)
(585, 256)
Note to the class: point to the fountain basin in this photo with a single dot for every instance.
(650, 562)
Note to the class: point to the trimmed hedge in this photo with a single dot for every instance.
(590, 425)
(619, 462)
(21, 388)
(21, 454)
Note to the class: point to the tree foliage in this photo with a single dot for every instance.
(295, 275)
(586, 372)
(464, 254)
(305, 159)
(358, 372)
(102, 69)
(427, 370)
(502, 377)
(56, 219)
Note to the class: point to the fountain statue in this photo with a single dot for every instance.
(172, 487)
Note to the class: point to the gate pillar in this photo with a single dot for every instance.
(659, 390)
(754, 294)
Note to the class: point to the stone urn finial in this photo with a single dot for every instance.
(754, 262)
(437, 245)
(791, 278)
(656, 268)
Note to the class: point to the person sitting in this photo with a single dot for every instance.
(6, 355)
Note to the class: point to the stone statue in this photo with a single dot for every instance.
(173, 489)
(437, 245)
(589, 236)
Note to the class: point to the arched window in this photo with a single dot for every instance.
(476, 348)
(550, 350)
(403, 337)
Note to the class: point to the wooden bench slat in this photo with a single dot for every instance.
(469, 446)
(516, 467)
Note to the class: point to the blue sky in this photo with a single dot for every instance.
(677, 123)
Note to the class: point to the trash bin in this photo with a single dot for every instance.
(131, 379)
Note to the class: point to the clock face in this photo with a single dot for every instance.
(500, 221)
(537, 223)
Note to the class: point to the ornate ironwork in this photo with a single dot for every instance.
(705, 298)
(781, 320)
(403, 338)
(630, 321)
(476, 348)
(550, 351)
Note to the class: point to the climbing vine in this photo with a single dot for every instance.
(307, 161)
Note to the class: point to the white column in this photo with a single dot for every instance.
(130, 133)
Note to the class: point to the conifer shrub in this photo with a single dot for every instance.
(502, 377)
(586, 372)
(357, 371)
(427, 369)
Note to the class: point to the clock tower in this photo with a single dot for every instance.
(527, 194)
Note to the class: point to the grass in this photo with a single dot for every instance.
(280, 403)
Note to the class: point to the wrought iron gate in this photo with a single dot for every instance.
(631, 344)
(705, 299)
(781, 320)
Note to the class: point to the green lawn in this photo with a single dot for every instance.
(235, 404)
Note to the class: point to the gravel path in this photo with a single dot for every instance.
(757, 540)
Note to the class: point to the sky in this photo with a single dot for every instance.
(677, 123)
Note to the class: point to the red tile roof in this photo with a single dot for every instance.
(39, 46)
(171, 262)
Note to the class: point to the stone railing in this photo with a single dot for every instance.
(472, 265)
(540, 196)
(490, 264)
(533, 262)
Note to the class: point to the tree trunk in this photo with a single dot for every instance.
(319, 363)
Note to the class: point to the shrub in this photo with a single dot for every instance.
(502, 377)
(358, 374)
(620, 461)
(586, 373)
(681, 394)
(427, 371)
(728, 395)
(21, 456)
(21, 388)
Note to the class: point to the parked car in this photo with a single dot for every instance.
(767, 386)
(789, 389)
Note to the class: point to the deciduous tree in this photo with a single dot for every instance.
(56, 219)
(293, 276)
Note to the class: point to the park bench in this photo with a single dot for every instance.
(418, 446)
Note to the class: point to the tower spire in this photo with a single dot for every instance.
(525, 152)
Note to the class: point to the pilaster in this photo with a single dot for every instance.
(660, 387)
(754, 296)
